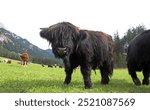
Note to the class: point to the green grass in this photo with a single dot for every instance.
(37, 79)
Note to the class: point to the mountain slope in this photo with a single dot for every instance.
(15, 43)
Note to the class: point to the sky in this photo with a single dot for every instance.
(25, 17)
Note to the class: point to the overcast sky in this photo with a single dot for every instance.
(25, 17)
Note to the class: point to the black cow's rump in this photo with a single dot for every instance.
(89, 49)
(138, 57)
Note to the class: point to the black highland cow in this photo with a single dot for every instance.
(138, 57)
(89, 49)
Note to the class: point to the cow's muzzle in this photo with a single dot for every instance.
(62, 52)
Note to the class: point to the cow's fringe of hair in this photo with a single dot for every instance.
(63, 29)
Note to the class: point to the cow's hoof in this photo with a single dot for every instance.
(66, 82)
(145, 82)
(88, 87)
(137, 82)
(104, 82)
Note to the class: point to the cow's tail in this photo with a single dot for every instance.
(110, 73)
(110, 56)
(109, 66)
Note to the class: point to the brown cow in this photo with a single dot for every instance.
(24, 57)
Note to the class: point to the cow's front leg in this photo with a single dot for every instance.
(68, 70)
(68, 75)
(86, 72)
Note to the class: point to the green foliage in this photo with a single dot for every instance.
(5, 53)
(119, 60)
(132, 32)
(37, 79)
(119, 52)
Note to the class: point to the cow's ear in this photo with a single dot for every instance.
(82, 35)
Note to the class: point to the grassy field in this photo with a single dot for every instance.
(37, 79)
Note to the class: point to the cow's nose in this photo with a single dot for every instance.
(62, 51)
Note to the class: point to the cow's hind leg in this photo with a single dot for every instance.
(146, 74)
(86, 72)
(68, 75)
(104, 75)
(105, 71)
(134, 77)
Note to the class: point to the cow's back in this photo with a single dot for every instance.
(138, 53)
(100, 48)
(24, 56)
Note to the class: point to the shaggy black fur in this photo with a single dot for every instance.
(89, 49)
(138, 57)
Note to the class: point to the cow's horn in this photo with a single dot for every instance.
(43, 28)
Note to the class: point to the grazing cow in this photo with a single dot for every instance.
(138, 57)
(55, 65)
(51, 66)
(42, 65)
(24, 57)
(89, 49)
(60, 66)
(9, 61)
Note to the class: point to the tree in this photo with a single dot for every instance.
(131, 33)
(119, 58)
(119, 44)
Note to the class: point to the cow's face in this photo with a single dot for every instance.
(63, 38)
(62, 44)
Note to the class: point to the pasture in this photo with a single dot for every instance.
(37, 79)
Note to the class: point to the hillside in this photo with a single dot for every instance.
(15, 43)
